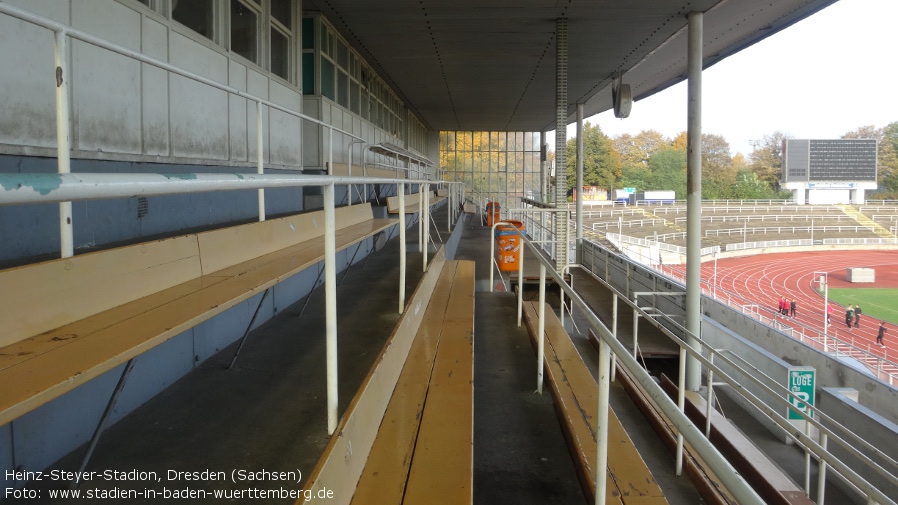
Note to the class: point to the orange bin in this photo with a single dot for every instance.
(492, 213)
(508, 245)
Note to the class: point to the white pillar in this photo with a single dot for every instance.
(63, 143)
(579, 221)
(604, 373)
(400, 191)
(260, 163)
(543, 167)
(330, 297)
(694, 199)
(541, 345)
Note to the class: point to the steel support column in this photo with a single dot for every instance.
(260, 158)
(400, 192)
(543, 167)
(694, 199)
(330, 296)
(579, 222)
(63, 142)
(561, 114)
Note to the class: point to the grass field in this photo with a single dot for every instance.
(876, 303)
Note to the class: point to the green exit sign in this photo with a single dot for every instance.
(801, 384)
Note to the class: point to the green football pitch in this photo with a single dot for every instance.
(876, 303)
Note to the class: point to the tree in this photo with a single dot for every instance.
(887, 153)
(767, 158)
(601, 163)
(668, 171)
(751, 187)
(718, 173)
(681, 141)
(636, 150)
(888, 158)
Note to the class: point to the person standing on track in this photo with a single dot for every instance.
(792, 307)
(849, 317)
(857, 316)
(882, 332)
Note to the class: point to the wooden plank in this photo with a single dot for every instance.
(48, 365)
(386, 470)
(411, 203)
(55, 339)
(40, 297)
(627, 470)
(442, 470)
(344, 457)
(233, 245)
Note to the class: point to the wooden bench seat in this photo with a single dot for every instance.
(67, 321)
(576, 399)
(423, 452)
(411, 203)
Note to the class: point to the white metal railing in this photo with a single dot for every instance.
(736, 209)
(598, 214)
(604, 225)
(769, 217)
(710, 358)
(788, 229)
(741, 246)
(860, 241)
(23, 189)
(845, 438)
(876, 359)
(615, 238)
(882, 366)
(883, 204)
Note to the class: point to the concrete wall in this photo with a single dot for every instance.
(880, 432)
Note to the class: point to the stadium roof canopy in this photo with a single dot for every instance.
(490, 64)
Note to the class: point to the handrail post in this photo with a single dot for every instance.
(613, 334)
(63, 142)
(420, 218)
(541, 345)
(330, 292)
(260, 168)
(330, 150)
(520, 276)
(425, 226)
(604, 373)
(400, 191)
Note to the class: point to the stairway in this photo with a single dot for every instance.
(863, 220)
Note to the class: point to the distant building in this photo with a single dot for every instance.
(833, 171)
(592, 194)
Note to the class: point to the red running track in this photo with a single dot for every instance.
(763, 278)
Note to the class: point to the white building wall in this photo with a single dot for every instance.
(122, 109)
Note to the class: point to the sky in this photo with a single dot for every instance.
(820, 78)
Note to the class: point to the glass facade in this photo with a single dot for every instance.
(497, 166)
